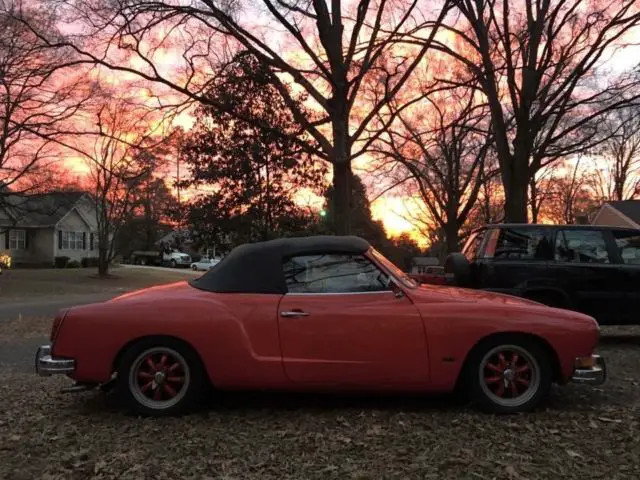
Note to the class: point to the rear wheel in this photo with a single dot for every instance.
(194, 268)
(509, 375)
(159, 377)
(173, 264)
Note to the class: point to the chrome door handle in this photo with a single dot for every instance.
(294, 313)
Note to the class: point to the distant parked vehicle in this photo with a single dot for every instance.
(172, 258)
(205, 263)
(586, 268)
(433, 275)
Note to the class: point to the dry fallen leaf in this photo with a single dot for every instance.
(573, 454)
(609, 420)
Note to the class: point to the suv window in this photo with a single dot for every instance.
(628, 244)
(581, 246)
(334, 274)
(523, 244)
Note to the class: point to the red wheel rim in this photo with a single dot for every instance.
(160, 376)
(509, 375)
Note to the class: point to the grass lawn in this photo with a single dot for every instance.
(20, 284)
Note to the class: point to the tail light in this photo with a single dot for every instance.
(584, 362)
(57, 323)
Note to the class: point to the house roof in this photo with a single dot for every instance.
(629, 208)
(39, 210)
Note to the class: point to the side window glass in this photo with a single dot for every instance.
(628, 244)
(333, 274)
(581, 246)
(523, 244)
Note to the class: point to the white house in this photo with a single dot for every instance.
(34, 229)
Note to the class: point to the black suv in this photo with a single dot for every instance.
(589, 269)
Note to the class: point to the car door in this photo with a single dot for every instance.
(627, 244)
(342, 325)
(586, 268)
(514, 259)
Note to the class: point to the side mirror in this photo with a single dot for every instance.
(397, 291)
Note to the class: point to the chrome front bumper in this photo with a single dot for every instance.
(595, 375)
(46, 365)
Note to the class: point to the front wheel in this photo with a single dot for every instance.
(194, 268)
(160, 377)
(509, 376)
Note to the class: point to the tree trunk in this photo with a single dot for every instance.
(342, 197)
(452, 237)
(342, 181)
(515, 179)
(103, 261)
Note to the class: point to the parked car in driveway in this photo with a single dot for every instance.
(589, 269)
(319, 313)
(205, 263)
(170, 258)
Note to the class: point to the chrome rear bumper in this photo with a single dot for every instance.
(595, 375)
(46, 365)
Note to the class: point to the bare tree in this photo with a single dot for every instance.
(540, 64)
(570, 195)
(350, 62)
(122, 156)
(542, 190)
(617, 170)
(38, 99)
(443, 144)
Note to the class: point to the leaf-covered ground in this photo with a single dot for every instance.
(581, 433)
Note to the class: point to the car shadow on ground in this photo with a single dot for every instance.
(572, 398)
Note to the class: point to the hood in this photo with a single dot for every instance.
(464, 295)
(160, 292)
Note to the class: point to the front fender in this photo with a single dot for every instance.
(453, 330)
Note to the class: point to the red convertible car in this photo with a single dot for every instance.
(319, 313)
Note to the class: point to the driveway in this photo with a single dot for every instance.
(161, 269)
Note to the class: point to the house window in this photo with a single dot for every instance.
(73, 240)
(17, 240)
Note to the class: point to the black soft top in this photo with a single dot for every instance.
(257, 267)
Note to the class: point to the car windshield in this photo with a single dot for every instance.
(395, 271)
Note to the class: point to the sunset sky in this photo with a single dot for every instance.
(392, 207)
